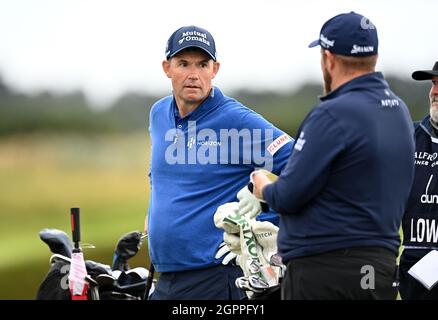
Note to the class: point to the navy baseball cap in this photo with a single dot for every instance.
(188, 37)
(348, 34)
(426, 74)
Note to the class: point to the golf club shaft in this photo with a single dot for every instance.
(149, 281)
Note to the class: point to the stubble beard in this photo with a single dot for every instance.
(433, 111)
(327, 81)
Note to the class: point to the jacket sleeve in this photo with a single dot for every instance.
(319, 142)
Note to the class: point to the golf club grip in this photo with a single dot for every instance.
(75, 225)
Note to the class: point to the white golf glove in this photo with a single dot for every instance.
(230, 248)
(224, 251)
(252, 243)
(233, 242)
(222, 217)
(249, 205)
(269, 269)
(266, 236)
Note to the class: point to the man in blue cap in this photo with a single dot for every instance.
(342, 194)
(204, 146)
(420, 221)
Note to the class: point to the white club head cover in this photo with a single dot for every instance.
(223, 218)
(249, 205)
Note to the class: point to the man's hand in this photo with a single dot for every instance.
(250, 197)
(259, 180)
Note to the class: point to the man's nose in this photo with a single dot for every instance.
(193, 75)
(434, 90)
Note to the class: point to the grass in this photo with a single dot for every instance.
(42, 176)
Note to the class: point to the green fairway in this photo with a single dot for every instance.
(42, 176)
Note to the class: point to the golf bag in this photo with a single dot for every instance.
(118, 282)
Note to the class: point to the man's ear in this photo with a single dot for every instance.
(216, 66)
(166, 68)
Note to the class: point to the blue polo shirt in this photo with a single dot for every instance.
(348, 179)
(198, 163)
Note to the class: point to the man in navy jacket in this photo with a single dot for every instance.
(342, 194)
(420, 221)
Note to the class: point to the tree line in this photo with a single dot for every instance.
(72, 113)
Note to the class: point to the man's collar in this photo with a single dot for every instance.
(358, 82)
(214, 95)
(427, 126)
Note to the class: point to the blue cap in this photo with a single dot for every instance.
(188, 37)
(348, 34)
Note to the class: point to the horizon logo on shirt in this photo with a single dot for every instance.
(191, 143)
(223, 146)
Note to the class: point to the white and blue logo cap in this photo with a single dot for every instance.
(348, 34)
(188, 37)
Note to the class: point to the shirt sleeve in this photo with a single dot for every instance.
(274, 146)
(268, 142)
(320, 140)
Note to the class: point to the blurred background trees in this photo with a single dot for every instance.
(48, 112)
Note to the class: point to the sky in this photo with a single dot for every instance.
(109, 47)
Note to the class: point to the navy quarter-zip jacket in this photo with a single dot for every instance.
(348, 178)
